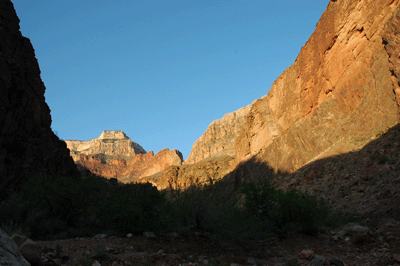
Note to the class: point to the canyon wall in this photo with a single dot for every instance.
(201, 173)
(219, 138)
(115, 155)
(340, 93)
(110, 142)
(342, 90)
(27, 143)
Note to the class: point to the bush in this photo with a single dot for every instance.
(202, 209)
(130, 208)
(62, 207)
(284, 212)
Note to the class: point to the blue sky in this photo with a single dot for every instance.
(160, 70)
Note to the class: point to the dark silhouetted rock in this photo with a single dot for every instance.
(27, 143)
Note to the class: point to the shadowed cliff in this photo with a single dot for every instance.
(27, 143)
(365, 180)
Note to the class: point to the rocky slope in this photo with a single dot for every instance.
(219, 138)
(114, 155)
(365, 181)
(27, 143)
(201, 173)
(342, 89)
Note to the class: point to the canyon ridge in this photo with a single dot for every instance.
(115, 155)
(329, 126)
(341, 92)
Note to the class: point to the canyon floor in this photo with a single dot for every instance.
(380, 246)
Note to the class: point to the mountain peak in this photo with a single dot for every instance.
(113, 134)
(110, 142)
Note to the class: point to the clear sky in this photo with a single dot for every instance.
(160, 70)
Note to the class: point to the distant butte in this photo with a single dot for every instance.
(114, 155)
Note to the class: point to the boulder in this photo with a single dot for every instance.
(306, 254)
(31, 252)
(9, 252)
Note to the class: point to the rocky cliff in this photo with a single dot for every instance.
(340, 93)
(201, 173)
(342, 90)
(110, 143)
(27, 143)
(114, 155)
(219, 138)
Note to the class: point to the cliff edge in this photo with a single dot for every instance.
(27, 144)
(342, 90)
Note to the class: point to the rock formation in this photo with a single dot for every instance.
(342, 90)
(9, 252)
(201, 173)
(109, 143)
(114, 155)
(27, 143)
(133, 169)
(219, 138)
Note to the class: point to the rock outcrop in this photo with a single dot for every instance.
(110, 143)
(219, 138)
(27, 143)
(202, 173)
(133, 169)
(9, 252)
(114, 155)
(342, 90)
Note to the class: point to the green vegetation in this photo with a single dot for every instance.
(83, 261)
(61, 207)
(293, 262)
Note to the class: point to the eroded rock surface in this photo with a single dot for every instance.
(114, 155)
(202, 173)
(219, 138)
(110, 143)
(27, 144)
(133, 169)
(342, 90)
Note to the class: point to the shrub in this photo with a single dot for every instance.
(284, 212)
(130, 208)
(83, 261)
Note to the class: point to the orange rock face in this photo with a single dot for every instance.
(342, 89)
(182, 177)
(131, 169)
(219, 138)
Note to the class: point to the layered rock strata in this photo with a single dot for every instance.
(219, 138)
(27, 143)
(114, 155)
(110, 142)
(130, 170)
(201, 173)
(342, 90)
